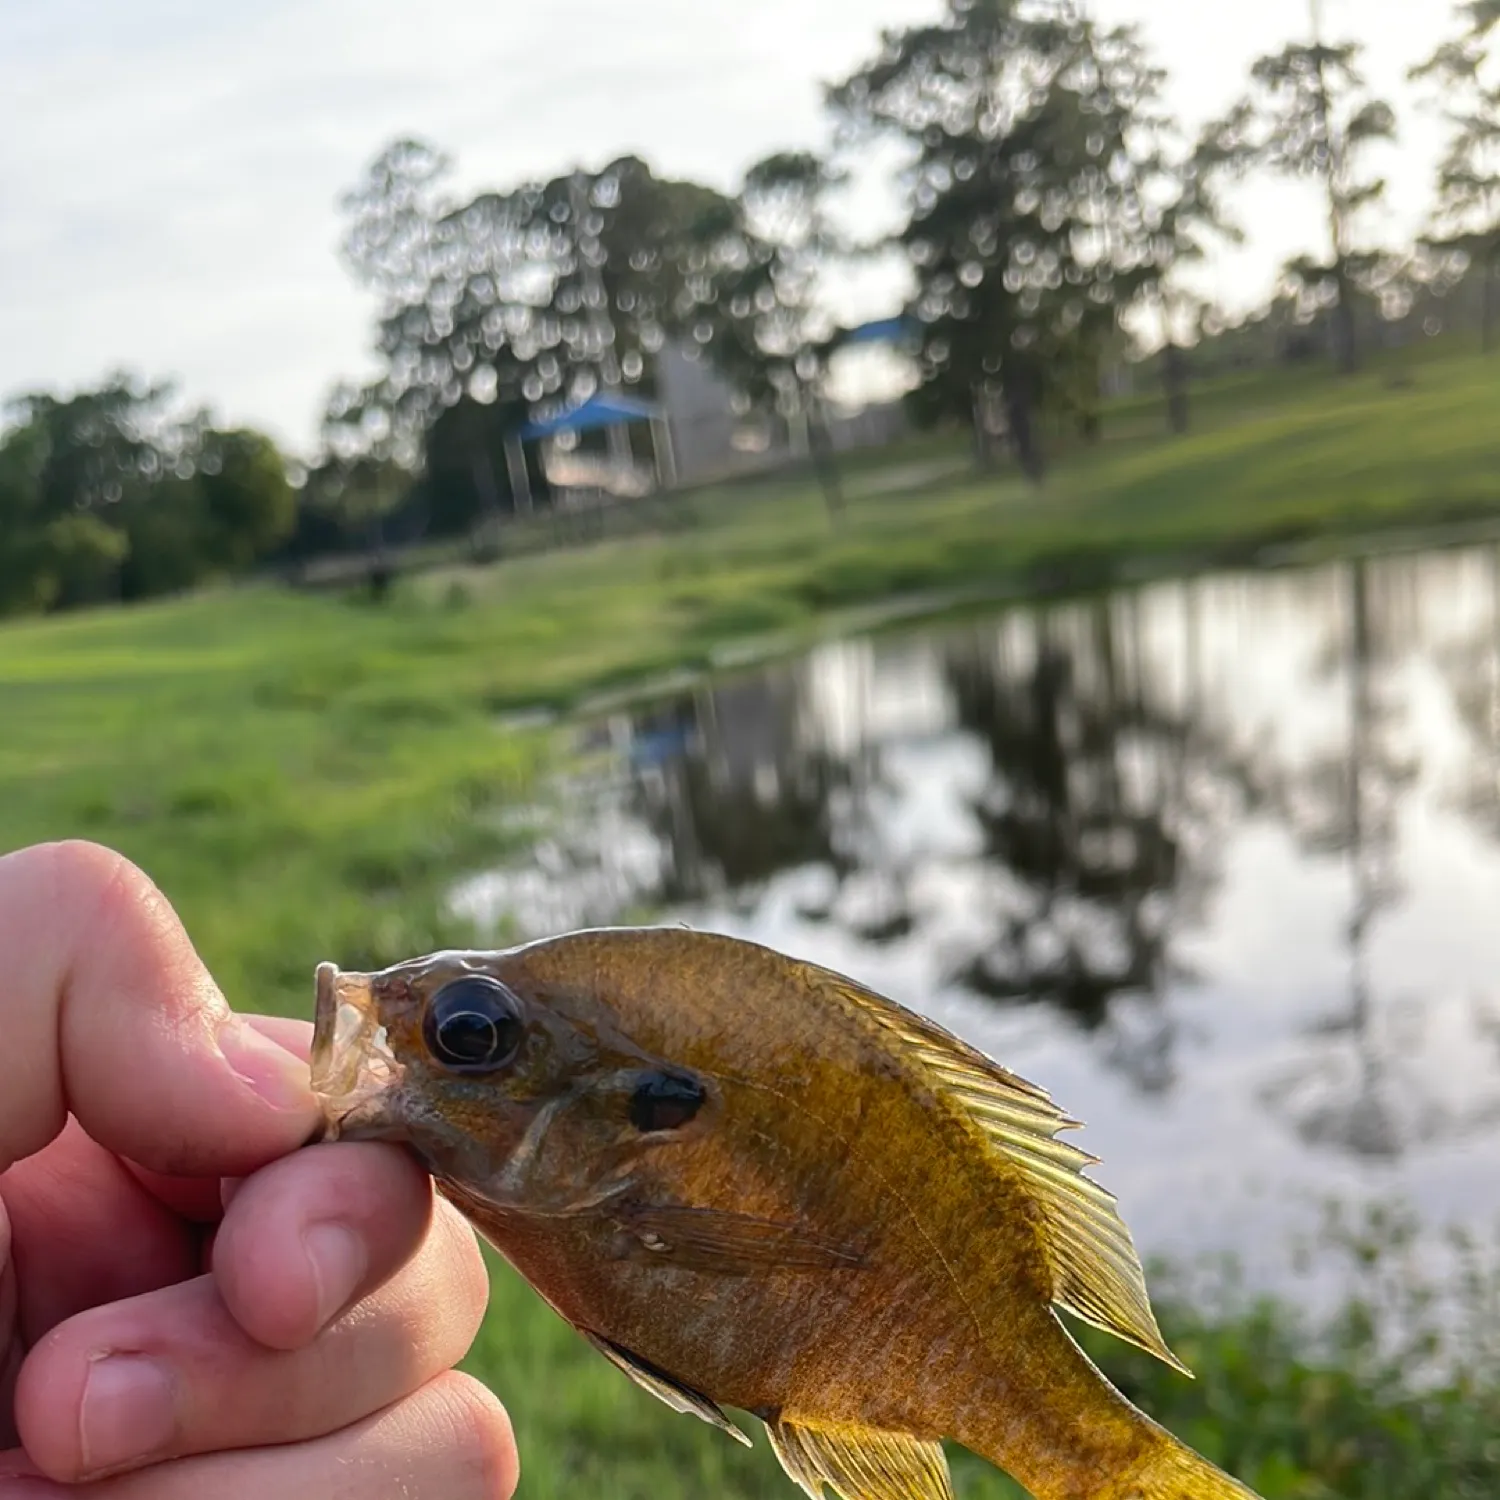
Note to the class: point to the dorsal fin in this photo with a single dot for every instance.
(860, 1463)
(1096, 1273)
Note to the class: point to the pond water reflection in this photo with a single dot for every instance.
(1215, 862)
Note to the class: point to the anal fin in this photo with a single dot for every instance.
(860, 1463)
(661, 1385)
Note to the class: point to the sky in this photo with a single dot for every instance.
(170, 169)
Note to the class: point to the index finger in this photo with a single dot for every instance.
(109, 1014)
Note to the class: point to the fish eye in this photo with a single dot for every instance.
(473, 1025)
(665, 1101)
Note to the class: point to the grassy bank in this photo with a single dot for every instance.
(305, 774)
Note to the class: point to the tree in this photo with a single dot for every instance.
(542, 292)
(1190, 220)
(1172, 209)
(120, 493)
(360, 479)
(1015, 117)
(46, 558)
(1467, 217)
(395, 244)
(1308, 115)
(769, 334)
(392, 242)
(248, 504)
(466, 473)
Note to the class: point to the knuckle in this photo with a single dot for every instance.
(478, 1427)
(88, 877)
(52, 878)
(89, 863)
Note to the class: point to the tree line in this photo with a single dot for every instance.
(118, 493)
(1053, 213)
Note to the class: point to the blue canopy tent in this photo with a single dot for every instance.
(881, 331)
(604, 409)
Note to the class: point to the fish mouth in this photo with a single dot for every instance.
(354, 1072)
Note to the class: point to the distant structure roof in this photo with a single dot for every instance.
(602, 409)
(882, 331)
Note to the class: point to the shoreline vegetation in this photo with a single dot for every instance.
(306, 773)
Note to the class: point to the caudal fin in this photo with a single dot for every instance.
(1177, 1473)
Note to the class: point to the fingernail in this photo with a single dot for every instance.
(281, 1079)
(338, 1260)
(129, 1412)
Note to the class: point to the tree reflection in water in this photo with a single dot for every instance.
(1346, 804)
(1107, 797)
(1060, 811)
(1104, 798)
(1365, 1086)
(742, 793)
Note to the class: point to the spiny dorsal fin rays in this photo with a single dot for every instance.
(860, 1463)
(1096, 1273)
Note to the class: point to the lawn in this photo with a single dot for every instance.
(304, 774)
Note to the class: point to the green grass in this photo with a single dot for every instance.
(305, 774)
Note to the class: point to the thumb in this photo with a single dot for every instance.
(110, 1015)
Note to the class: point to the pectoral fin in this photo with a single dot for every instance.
(860, 1463)
(678, 1396)
(724, 1243)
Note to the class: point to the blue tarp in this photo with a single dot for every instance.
(602, 409)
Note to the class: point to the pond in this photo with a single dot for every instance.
(1216, 862)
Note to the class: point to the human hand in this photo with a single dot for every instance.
(190, 1305)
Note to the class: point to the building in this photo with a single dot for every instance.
(709, 437)
(711, 440)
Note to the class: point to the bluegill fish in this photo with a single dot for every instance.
(752, 1183)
